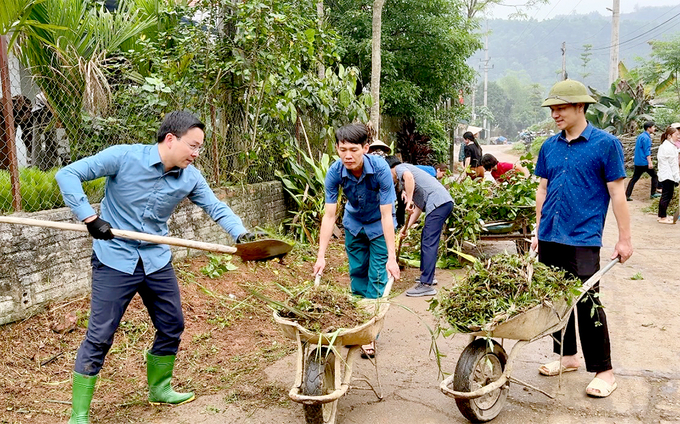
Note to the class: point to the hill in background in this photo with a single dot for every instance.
(531, 49)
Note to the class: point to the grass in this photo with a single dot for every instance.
(39, 190)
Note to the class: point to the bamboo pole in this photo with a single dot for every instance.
(130, 235)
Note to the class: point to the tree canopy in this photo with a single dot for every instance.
(425, 45)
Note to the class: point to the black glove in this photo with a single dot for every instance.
(100, 229)
(248, 236)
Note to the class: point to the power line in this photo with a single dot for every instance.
(535, 14)
(555, 27)
(637, 36)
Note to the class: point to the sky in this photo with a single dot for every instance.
(562, 7)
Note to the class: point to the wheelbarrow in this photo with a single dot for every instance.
(322, 373)
(481, 381)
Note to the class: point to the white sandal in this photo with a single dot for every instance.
(600, 388)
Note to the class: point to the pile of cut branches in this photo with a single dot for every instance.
(478, 203)
(323, 309)
(497, 289)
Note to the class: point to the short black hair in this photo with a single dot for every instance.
(647, 125)
(352, 133)
(178, 123)
(489, 161)
(392, 161)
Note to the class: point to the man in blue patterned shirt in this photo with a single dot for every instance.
(581, 169)
(144, 184)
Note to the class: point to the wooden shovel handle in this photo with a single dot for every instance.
(130, 235)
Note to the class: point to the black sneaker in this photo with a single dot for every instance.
(434, 281)
(421, 290)
(630, 199)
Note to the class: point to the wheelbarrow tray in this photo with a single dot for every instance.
(530, 324)
(360, 335)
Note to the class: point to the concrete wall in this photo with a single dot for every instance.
(40, 265)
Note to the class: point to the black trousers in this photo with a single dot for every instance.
(639, 170)
(582, 262)
(112, 292)
(667, 188)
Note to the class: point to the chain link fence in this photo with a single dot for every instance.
(44, 134)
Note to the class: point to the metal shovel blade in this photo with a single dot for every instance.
(262, 250)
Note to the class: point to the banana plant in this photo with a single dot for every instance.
(303, 180)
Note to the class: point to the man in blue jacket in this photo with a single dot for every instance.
(643, 161)
(144, 184)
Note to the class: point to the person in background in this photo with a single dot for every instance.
(366, 181)
(473, 158)
(501, 171)
(379, 148)
(422, 193)
(676, 125)
(582, 172)
(669, 171)
(461, 152)
(438, 171)
(144, 184)
(643, 161)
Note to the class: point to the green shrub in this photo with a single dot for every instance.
(536, 145)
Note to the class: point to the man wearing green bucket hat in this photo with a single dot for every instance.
(581, 170)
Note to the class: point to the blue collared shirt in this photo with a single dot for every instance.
(643, 148)
(577, 198)
(139, 196)
(365, 194)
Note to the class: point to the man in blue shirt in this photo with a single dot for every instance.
(144, 184)
(366, 181)
(581, 169)
(643, 161)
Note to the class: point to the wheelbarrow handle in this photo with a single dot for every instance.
(590, 282)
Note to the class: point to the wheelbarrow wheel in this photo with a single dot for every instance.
(481, 363)
(319, 380)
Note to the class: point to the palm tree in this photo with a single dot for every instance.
(65, 45)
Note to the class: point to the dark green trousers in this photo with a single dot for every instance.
(367, 261)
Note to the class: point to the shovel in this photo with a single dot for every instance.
(254, 251)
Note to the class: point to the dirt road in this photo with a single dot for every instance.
(643, 319)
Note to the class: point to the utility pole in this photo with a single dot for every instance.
(564, 60)
(614, 49)
(474, 93)
(486, 77)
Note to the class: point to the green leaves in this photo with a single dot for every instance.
(478, 203)
(495, 290)
(218, 265)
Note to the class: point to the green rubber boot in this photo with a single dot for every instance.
(83, 389)
(159, 374)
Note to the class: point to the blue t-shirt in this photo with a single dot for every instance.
(643, 148)
(429, 169)
(577, 197)
(365, 194)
